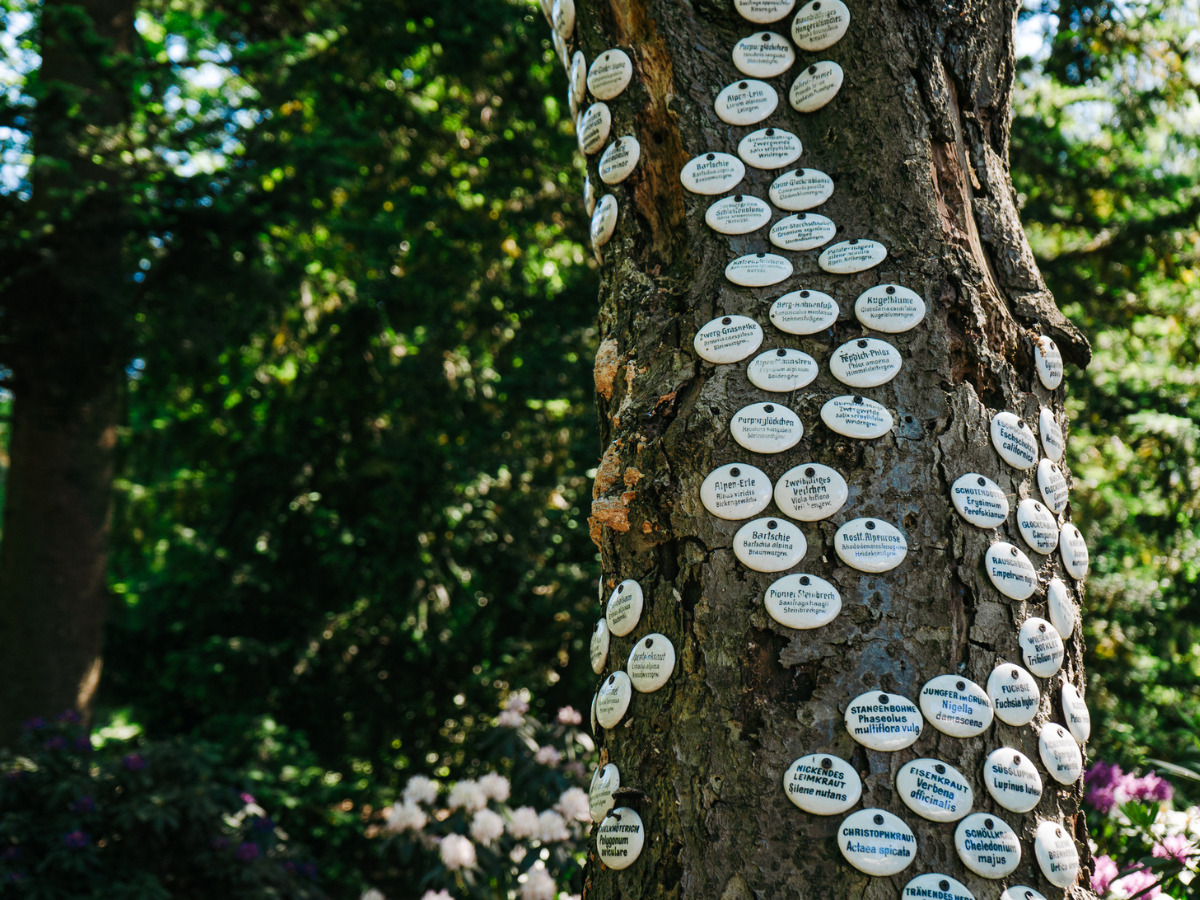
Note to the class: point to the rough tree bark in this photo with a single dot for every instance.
(64, 324)
(917, 145)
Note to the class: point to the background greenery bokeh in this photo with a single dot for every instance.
(356, 469)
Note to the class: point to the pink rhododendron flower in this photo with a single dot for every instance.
(573, 804)
(1103, 874)
(1175, 846)
(547, 756)
(569, 715)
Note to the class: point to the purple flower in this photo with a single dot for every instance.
(1103, 774)
(58, 742)
(246, 798)
(1177, 847)
(76, 840)
(247, 851)
(1101, 799)
(83, 743)
(35, 724)
(220, 843)
(1135, 883)
(68, 715)
(83, 805)
(1148, 787)
(1103, 874)
(134, 762)
(261, 823)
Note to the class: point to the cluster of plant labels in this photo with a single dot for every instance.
(874, 840)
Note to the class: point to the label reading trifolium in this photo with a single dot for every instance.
(1041, 647)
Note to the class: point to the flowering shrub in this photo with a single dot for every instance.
(518, 831)
(145, 821)
(1145, 847)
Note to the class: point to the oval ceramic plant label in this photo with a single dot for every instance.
(865, 362)
(625, 607)
(1038, 526)
(801, 189)
(594, 126)
(651, 662)
(612, 701)
(856, 417)
(883, 721)
(956, 706)
(1014, 694)
(712, 173)
(728, 339)
(1048, 361)
(822, 784)
(736, 491)
(1012, 780)
(769, 545)
(601, 637)
(1041, 647)
(811, 492)
(1056, 853)
(933, 886)
(769, 148)
(804, 312)
(763, 55)
(870, 545)
(600, 795)
(746, 102)
(815, 86)
(610, 74)
(758, 270)
(620, 159)
(763, 11)
(1060, 753)
(979, 500)
(876, 842)
(1074, 551)
(934, 790)
(1014, 441)
(739, 214)
(1075, 711)
(604, 220)
(766, 428)
(1053, 441)
(855, 255)
(577, 77)
(820, 24)
(782, 370)
(802, 601)
(803, 231)
(1063, 611)
(890, 308)
(1010, 571)
(1052, 486)
(987, 845)
(620, 838)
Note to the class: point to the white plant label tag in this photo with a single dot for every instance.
(620, 838)
(728, 339)
(890, 308)
(1052, 486)
(594, 127)
(883, 721)
(601, 638)
(811, 492)
(763, 11)
(855, 255)
(1053, 441)
(822, 784)
(625, 606)
(933, 886)
(651, 662)
(604, 220)
(865, 362)
(613, 699)
(816, 86)
(801, 189)
(1038, 526)
(746, 102)
(820, 24)
(739, 214)
(769, 148)
(769, 545)
(1048, 361)
(870, 545)
(1012, 780)
(1014, 441)
(934, 790)
(856, 417)
(1074, 551)
(1063, 611)
(782, 370)
(1075, 711)
(736, 491)
(759, 269)
(1060, 753)
(956, 706)
(620, 159)
(1041, 647)
(979, 500)
(712, 173)
(763, 55)
(987, 845)
(766, 428)
(802, 601)
(1014, 694)
(605, 781)
(804, 312)
(1010, 571)
(802, 231)
(876, 842)
(610, 74)
(1056, 853)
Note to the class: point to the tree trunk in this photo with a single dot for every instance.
(67, 317)
(916, 143)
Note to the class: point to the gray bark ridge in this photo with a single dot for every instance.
(916, 142)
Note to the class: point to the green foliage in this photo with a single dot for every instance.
(1106, 157)
(137, 820)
